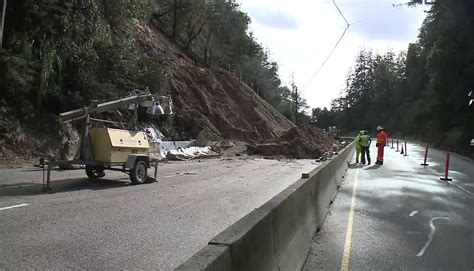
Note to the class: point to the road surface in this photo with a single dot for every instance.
(112, 225)
(400, 216)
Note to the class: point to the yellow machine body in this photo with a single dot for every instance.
(115, 145)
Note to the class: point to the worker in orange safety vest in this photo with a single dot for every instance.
(382, 138)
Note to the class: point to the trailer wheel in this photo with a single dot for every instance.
(138, 173)
(95, 172)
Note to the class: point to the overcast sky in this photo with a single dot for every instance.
(301, 33)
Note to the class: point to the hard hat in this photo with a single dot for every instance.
(379, 128)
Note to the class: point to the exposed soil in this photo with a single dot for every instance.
(305, 142)
(210, 104)
(213, 103)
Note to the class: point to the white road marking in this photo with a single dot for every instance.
(462, 188)
(451, 182)
(13, 206)
(430, 235)
(414, 213)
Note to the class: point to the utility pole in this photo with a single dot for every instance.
(2, 21)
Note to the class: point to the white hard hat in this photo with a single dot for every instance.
(379, 128)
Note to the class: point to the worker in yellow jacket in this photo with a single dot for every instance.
(358, 147)
(364, 142)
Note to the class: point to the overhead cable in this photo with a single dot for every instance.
(334, 48)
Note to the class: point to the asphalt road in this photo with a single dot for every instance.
(392, 208)
(112, 225)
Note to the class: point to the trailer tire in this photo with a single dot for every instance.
(95, 172)
(139, 173)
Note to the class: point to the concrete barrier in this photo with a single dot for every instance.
(277, 235)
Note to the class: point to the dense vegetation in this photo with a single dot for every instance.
(60, 54)
(421, 93)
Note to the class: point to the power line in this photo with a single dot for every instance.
(344, 32)
(334, 2)
(327, 58)
(334, 48)
(376, 16)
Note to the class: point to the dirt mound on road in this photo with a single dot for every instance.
(305, 142)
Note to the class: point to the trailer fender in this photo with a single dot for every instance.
(133, 158)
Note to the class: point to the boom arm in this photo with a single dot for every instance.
(103, 107)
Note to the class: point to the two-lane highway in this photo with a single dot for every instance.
(400, 216)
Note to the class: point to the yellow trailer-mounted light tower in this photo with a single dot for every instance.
(112, 149)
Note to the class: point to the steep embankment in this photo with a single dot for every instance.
(215, 103)
(209, 103)
(212, 100)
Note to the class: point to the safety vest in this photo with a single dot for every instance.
(364, 140)
(357, 142)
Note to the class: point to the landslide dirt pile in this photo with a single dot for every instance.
(306, 142)
(214, 103)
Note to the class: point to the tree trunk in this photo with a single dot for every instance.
(210, 57)
(206, 45)
(106, 9)
(2, 21)
(175, 8)
(296, 106)
(192, 36)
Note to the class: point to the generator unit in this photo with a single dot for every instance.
(114, 145)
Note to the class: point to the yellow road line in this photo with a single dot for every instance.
(346, 255)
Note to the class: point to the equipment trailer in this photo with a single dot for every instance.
(110, 149)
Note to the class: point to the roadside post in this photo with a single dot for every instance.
(426, 156)
(446, 169)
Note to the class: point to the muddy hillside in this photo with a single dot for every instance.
(216, 104)
(210, 103)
